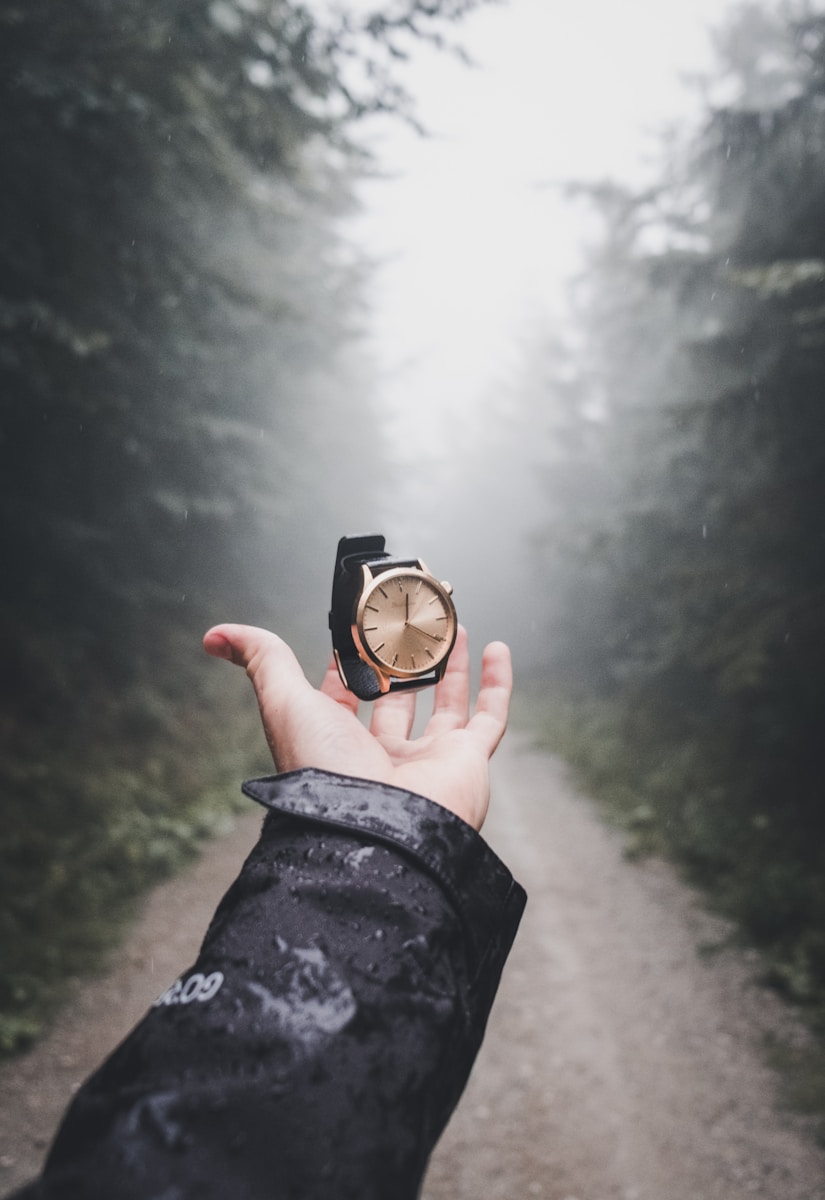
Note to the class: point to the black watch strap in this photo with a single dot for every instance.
(353, 553)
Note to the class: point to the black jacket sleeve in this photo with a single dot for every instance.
(323, 1037)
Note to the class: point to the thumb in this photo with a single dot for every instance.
(303, 727)
(274, 670)
(244, 644)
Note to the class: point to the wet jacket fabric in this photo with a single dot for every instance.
(318, 1045)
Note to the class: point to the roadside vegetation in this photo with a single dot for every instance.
(183, 394)
(683, 558)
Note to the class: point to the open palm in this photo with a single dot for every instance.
(309, 727)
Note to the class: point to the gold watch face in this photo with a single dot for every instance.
(405, 622)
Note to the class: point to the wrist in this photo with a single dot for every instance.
(439, 841)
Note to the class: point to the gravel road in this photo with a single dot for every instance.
(622, 1061)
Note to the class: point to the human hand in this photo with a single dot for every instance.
(309, 727)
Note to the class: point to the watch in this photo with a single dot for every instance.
(393, 623)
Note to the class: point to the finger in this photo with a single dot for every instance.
(217, 642)
(393, 716)
(489, 721)
(274, 670)
(334, 688)
(267, 659)
(304, 727)
(451, 705)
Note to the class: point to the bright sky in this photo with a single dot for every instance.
(476, 243)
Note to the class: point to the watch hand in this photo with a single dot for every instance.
(418, 629)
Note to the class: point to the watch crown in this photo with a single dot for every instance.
(448, 587)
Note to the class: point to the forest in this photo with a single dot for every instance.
(685, 545)
(184, 390)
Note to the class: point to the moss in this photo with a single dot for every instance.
(94, 817)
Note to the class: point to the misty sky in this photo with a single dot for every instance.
(476, 242)
(477, 245)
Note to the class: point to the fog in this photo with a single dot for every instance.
(567, 346)
(477, 248)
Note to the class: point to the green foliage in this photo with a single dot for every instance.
(695, 653)
(182, 400)
(111, 801)
(801, 1069)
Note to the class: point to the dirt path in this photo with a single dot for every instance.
(35, 1089)
(620, 1064)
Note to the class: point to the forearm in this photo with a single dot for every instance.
(320, 1042)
